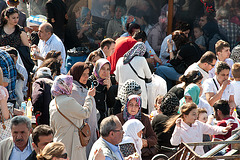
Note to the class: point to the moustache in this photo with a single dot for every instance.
(19, 140)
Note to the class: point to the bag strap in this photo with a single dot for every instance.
(215, 83)
(135, 72)
(65, 116)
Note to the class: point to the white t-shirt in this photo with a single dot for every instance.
(229, 61)
(195, 66)
(204, 104)
(236, 88)
(210, 87)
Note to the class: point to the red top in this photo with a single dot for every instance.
(123, 44)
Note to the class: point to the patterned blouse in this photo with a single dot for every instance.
(127, 149)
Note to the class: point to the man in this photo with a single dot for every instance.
(49, 41)
(9, 73)
(222, 114)
(107, 47)
(219, 86)
(19, 146)
(22, 16)
(204, 65)
(111, 135)
(41, 136)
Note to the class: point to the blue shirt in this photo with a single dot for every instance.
(9, 73)
(17, 154)
(115, 150)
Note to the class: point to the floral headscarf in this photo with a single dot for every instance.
(128, 88)
(191, 90)
(62, 85)
(138, 49)
(126, 115)
(101, 62)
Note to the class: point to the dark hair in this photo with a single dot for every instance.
(140, 35)
(208, 57)
(179, 38)
(107, 42)
(52, 54)
(192, 77)
(12, 50)
(41, 130)
(223, 106)
(131, 26)
(220, 45)
(94, 54)
(183, 26)
(221, 66)
(53, 64)
(198, 27)
(169, 105)
(7, 12)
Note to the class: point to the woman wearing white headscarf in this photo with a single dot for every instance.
(132, 137)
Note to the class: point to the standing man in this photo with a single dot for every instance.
(107, 47)
(48, 42)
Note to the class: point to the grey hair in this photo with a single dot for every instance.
(21, 120)
(107, 125)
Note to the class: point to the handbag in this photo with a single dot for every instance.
(84, 132)
(147, 80)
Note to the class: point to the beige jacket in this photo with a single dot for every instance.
(64, 131)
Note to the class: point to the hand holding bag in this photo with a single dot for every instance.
(83, 132)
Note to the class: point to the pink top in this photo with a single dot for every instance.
(188, 134)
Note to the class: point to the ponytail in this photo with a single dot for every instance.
(171, 122)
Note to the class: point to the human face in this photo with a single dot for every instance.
(43, 35)
(203, 21)
(135, 31)
(20, 134)
(199, 83)
(159, 101)
(224, 54)
(188, 99)
(222, 76)
(210, 66)
(118, 13)
(191, 117)
(186, 32)
(133, 107)
(203, 117)
(140, 134)
(109, 51)
(13, 19)
(43, 141)
(83, 79)
(117, 133)
(95, 60)
(197, 32)
(104, 71)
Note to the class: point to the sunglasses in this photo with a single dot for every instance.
(211, 64)
(64, 156)
(11, 10)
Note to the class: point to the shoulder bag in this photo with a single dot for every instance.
(83, 132)
(147, 80)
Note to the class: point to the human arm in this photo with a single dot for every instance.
(3, 102)
(24, 39)
(232, 104)
(176, 135)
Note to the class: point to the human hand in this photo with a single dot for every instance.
(229, 126)
(133, 156)
(18, 112)
(145, 143)
(170, 44)
(98, 155)
(107, 82)
(178, 122)
(92, 92)
(225, 83)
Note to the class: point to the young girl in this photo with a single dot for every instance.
(188, 129)
(157, 105)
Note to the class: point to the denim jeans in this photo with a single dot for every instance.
(168, 73)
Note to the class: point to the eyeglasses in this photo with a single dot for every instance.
(115, 130)
(64, 156)
(211, 64)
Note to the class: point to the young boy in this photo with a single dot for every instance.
(223, 52)
(236, 83)
(199, 38)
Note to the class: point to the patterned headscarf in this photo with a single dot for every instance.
(126, 115)
(138, 49)
(191, 90)
(129, 87)
(101, 62)
(62, 85)
(169, 105)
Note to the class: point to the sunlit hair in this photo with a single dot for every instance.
(54, 149)
(6, 13)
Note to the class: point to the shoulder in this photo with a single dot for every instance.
(6, 142)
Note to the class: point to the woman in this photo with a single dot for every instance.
(54, 54)
(64, 131)
(188, 129)
(11, 33)
(186, 54)
(191, 94)
(53, 151)
(124, 71)
(80, 73)
(192, 77)
(101, 80)
(130, 87)
(132, 110)
(132, 138)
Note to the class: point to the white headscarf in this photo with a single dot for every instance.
(131, 127)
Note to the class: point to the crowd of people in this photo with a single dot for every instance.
(113, 68)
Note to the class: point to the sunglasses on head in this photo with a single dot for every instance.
(64, 156)
(11, 10)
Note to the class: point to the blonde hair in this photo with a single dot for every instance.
(54, 149)
(236, 70)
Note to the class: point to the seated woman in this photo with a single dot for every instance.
(132, 138)
(53, 151)
(132, 110)
(192, 77)
(188, 129)
(191, 94)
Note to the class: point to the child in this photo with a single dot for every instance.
(236, 84)
(199, 38)
(157, 104)
(223, 52)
